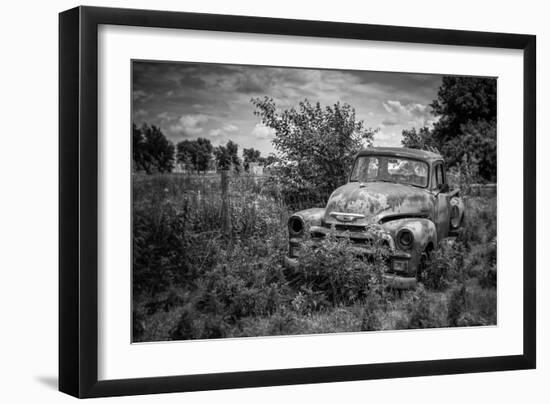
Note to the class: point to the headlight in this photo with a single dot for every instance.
(405, 239)
(295, 226)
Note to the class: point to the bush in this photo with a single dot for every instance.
(445, 265)
(472, 254)
(316, 145)
(333, 268)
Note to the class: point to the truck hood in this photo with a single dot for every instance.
(376, 200)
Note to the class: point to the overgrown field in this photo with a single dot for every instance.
(191, 280)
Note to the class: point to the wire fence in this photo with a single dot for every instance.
(226, 203)
(241, 204)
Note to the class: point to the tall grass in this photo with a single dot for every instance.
(191, 281)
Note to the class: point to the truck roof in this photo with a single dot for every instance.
(402, 152)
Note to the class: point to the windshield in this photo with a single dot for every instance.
(390, 169)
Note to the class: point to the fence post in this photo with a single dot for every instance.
(226, 215)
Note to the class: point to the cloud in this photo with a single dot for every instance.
(190, 100)
(418, 109)
(389, 122)
(395, 107)
(412, 109)
(263, 132)
(390, 138)
(230, 128)
(163, 116)
(215, 132)
(190, 124)
(250, 84)
(139, 116)
(223, 130)
(141, 96)
(409, 114)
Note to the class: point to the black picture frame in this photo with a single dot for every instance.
(78, 201)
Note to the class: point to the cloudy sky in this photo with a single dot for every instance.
(190, 100)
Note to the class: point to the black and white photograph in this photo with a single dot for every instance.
(273, 201)
(277, 202)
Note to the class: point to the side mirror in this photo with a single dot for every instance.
(443, 188)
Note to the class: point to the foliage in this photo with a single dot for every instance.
(444, 266)
(420, 310)
(250, 156)
(227, 156)
(268, 161)
(472, 254)
(465, 132)
(195, 154)
(316, 144)
(421, 139)
(461, 100)
(333, 268)
(471, 305)
(189, 282)
(151, 151)
(479, 142)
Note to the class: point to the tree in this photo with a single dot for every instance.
(151, 151)
(195, 154)
(227, 156)
(186, 152)
(139, 156)
(461, 100)
(270, 159)
(233, 151)
(223, 160)
(477, 146)
(250, 156)
(316, 144)
(465, 132)
(421, 139)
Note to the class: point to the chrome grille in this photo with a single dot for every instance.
(345, 227)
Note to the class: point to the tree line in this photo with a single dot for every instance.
(153, 153)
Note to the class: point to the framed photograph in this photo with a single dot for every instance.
(251, 201)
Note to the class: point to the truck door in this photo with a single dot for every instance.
(441, 205)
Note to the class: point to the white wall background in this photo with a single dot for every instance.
(28, 199)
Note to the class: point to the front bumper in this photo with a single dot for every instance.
(400, 282)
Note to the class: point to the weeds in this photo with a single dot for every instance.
(192, 282)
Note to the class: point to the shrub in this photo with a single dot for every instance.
(333, 267)
(445, 265)
(480, 224)
(472, 254)
(316, 145)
